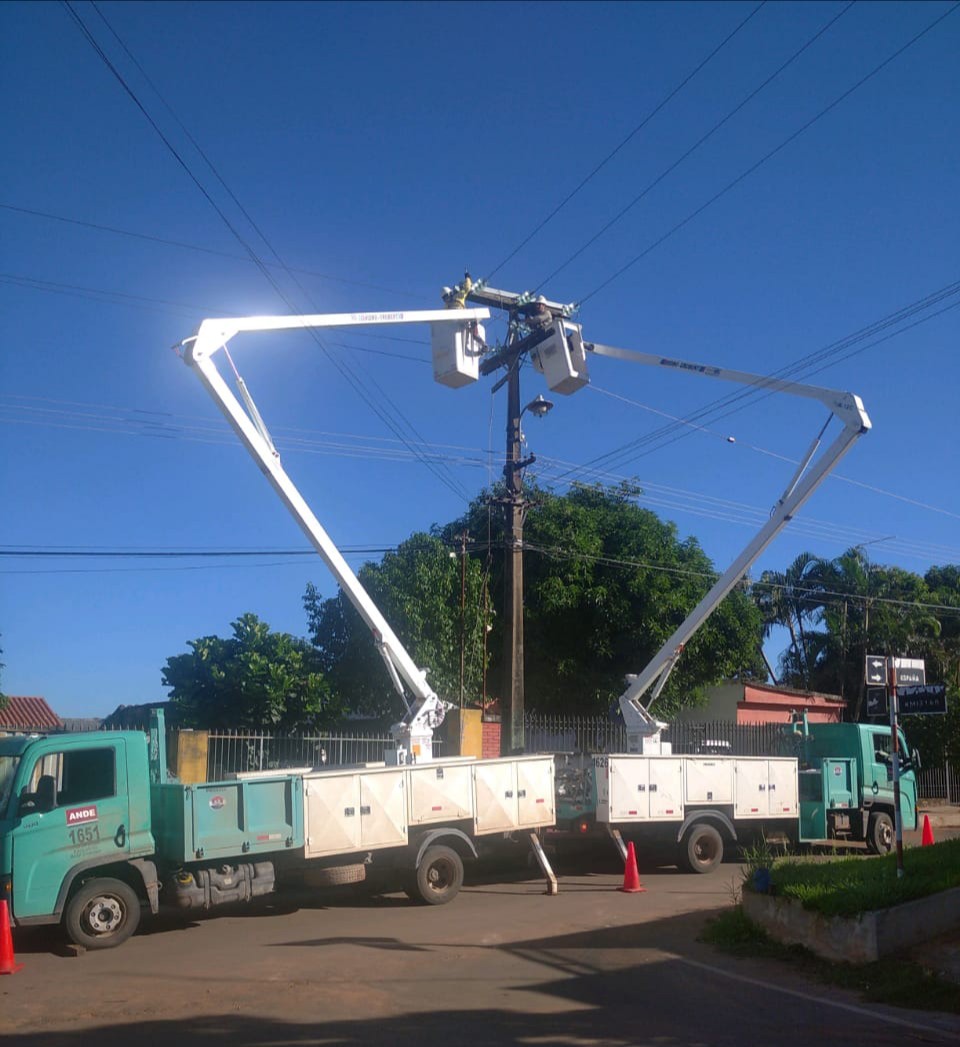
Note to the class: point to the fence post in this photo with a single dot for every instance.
(946, 764)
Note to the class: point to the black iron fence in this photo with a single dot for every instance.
(599, 734)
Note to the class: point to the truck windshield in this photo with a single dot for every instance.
(8, 771)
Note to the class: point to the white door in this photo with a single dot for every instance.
(383, 809)
(752, 799)
(535, 793)
(708, 780)
(495, 795)
(665, 788)
(440, 793)
(332, 814)
(782, 788)
(629, 778)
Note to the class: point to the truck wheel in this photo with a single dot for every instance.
(880, 833)
(701, 850)
(102, 914)
(335, 875)
(439, 877)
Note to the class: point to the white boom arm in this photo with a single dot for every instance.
(413, 734)
(848, 409)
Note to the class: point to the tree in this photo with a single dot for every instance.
(605, 585)
(862, 608)
(433, 602)
(783, 601)
(256, 678)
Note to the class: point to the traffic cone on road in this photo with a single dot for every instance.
(927, 837)
(631, 875)
(7, 966)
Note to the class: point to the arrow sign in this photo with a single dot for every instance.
(928, 700)
(876, 671)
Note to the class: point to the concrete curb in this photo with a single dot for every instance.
(861, 939)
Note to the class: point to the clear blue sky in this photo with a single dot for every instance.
(381, 149)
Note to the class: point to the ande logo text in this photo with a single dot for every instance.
(81, 814)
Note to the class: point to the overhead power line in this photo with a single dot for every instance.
(643, 123)
(696, 145)
(769, 155)
(811, 363)
(379, 402)
(199, 248)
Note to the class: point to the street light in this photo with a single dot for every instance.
(539, 407)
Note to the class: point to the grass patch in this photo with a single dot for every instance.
(895, 981)
(849, 886)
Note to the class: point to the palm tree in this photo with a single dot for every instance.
(784, 601)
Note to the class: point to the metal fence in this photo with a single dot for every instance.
(939, 783)
(233, 752)
(551, 733)
(598, 734)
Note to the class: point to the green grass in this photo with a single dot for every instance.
(849, 886)
(896, 981)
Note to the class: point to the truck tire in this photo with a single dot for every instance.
(335, 875)
(701, 850)
(880, 836)
(438, 878)
(102, 914)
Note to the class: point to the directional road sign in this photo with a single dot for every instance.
(909, 672)
(928, 700)
(877, 701)
(876, 670)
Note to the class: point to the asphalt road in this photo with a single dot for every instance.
(502, 964)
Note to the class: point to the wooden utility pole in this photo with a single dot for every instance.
(511, 734)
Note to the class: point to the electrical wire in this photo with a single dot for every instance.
(182, 245)
(391, 415)
(812, 363)
(643, 123)
(696, 145)
(768, 156)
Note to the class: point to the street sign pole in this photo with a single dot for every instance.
(895, 749)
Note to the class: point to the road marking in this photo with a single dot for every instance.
(820, 1000)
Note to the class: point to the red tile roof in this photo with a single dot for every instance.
(33, 714)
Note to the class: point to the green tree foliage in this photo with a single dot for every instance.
(605, 585)
(841, 610)
(433, 600)
(256, 678)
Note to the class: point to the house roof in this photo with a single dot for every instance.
(28, 714)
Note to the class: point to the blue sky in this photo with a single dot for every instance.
(381, 149)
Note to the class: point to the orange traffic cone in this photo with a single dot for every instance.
(7, 966)
(631, 875)
(927, 837)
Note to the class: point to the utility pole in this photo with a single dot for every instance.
(464, 538)
(530, 324)
(511, 737)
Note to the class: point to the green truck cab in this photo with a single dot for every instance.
(846, 789)
(89, 826)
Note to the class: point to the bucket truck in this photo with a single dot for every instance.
(697, 803)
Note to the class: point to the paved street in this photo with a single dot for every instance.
(503, 964)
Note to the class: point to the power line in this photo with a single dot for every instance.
(391, 415)
(768, 156)
(643, 123)
(182, 245)
(696, 145)
(621, 454)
